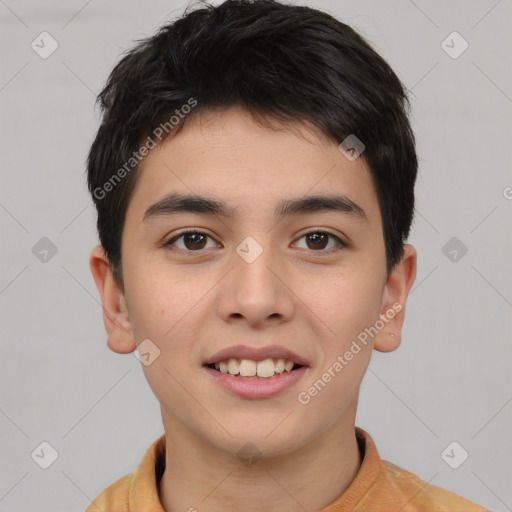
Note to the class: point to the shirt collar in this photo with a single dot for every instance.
(144, 497)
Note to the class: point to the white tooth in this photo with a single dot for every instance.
(247, 368)
(233, 366)
(265, 368)
(280, 366)
(288, 365)
(223, 367)
(216, 366)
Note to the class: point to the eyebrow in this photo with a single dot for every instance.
(191, 203)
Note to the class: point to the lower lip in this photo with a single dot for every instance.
(247, 387)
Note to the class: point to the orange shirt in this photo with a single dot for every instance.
(379, 486)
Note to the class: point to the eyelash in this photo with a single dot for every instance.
(341, 244)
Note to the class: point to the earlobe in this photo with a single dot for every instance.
(115, 313)
(395, 295)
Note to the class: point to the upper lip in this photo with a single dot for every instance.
(256, 354)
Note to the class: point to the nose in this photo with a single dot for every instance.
(256, 290)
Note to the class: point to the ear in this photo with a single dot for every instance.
(394, 297)
(115, 312)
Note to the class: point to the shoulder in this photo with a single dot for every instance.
(420, 496)
(114, 497)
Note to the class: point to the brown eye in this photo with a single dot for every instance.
(192, 241)
(318, 240)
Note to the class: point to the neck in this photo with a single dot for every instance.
(199, 476)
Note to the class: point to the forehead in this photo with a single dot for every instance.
(250, 167)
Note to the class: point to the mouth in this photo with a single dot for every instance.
(247, 368)
(250, 372)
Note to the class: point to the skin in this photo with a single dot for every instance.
(297, 294)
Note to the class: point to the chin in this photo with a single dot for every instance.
(271, 435)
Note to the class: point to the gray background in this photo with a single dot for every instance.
(449, 381)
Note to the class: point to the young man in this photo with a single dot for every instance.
(254, 179)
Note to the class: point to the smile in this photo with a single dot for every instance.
(265, 369)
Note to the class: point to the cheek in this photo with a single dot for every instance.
(349, 306)
(164, 309)
(160, 302)
(348, 303)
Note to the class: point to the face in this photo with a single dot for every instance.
(309, 280)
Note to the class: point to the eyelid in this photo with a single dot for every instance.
(341, 242)
(186, 231)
